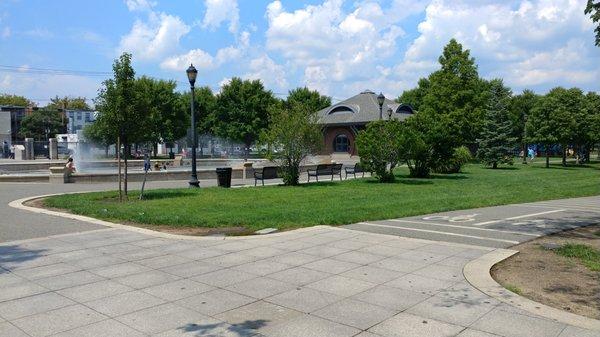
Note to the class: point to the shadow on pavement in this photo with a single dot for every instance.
(244, 329)
(12, 256)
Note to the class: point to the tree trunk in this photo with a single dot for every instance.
(495, 165)
(547, 157)
(155, 149)
(524, 153)
(564, 156)
(118, 150)
(126, 149)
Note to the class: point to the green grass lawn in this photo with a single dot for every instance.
(586, 254)
(338, 202)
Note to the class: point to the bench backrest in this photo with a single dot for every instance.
(270, 172)
(358, 168)
(336, 168)
(324, 168)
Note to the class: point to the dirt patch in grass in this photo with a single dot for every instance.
(547, 277)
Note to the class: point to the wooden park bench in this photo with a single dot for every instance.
(267, 172)
(326, 170)
(354, 170)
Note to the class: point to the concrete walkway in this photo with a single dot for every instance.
(319, 282)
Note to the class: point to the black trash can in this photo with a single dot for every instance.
(224, 176)
(171, 155)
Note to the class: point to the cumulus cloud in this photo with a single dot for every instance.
(333, 47)
(219, 11)
(270, 73)
(538, 44)
(204, 61)
(156, 38)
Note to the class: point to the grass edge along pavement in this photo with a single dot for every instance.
(336, 203)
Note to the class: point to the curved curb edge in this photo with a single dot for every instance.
(20, 204)
(477, 273)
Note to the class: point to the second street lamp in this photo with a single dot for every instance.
(191, 74)
(380, 101)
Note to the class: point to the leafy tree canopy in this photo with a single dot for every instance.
(15, 100)
(242, 110)
(309, 99)
(593, 9)
(414, 97)
(42, 124)
(70, 103)
(520, 109)
(204, 108)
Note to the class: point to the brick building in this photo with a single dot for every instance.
(342, 121)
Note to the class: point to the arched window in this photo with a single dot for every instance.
(341, 143)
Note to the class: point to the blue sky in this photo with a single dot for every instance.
(337, 47)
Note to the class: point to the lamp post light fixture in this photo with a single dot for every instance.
(191, 74)
(380, 101)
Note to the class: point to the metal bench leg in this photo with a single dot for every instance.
(263, 182)
(255, 182)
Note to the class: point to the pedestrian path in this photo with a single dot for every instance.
(320, 281)
(499, 226)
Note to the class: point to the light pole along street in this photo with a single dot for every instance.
(380, 101)
(191, 74)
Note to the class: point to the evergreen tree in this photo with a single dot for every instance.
(497, 141)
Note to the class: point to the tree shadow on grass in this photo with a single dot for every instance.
(244, 329)
(502, 168)
(12, 256)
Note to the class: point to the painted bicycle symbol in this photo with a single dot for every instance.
(458, 218)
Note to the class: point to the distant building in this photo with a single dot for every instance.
(342, 121)
(78, 119)
(10, 122)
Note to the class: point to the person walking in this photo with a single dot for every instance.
(5, 150)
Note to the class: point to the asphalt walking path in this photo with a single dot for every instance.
(499, 226)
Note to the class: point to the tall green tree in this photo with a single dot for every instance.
(168, 119)
(42, 124)
(242, 111)
(540, 126)
(593, 9)
(593, 116)
(15, 100)
(309, 99)
(497, 141)
(293, 134)
(520, 109)
(118, 106)
(99, 133)
(457, 91)
(69, 103)
(414, 97)
(204, 108)
(452, 101)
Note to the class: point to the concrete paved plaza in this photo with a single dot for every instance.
(320, 281)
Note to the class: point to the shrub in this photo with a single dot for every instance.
(417, 153)
(293, 134)
(380, 148)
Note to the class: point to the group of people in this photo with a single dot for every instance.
(8, 151)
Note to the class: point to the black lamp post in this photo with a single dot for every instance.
(380, 101)
(191, 74)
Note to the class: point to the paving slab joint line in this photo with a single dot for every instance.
(477, 273)
(20, 204)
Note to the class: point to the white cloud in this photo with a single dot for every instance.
(156, 38)
(331, 45)
(270, 73)
(202, 60)
(140, 5)
(41, 33)
(219, 11)
(46, 86)
(536, 43)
